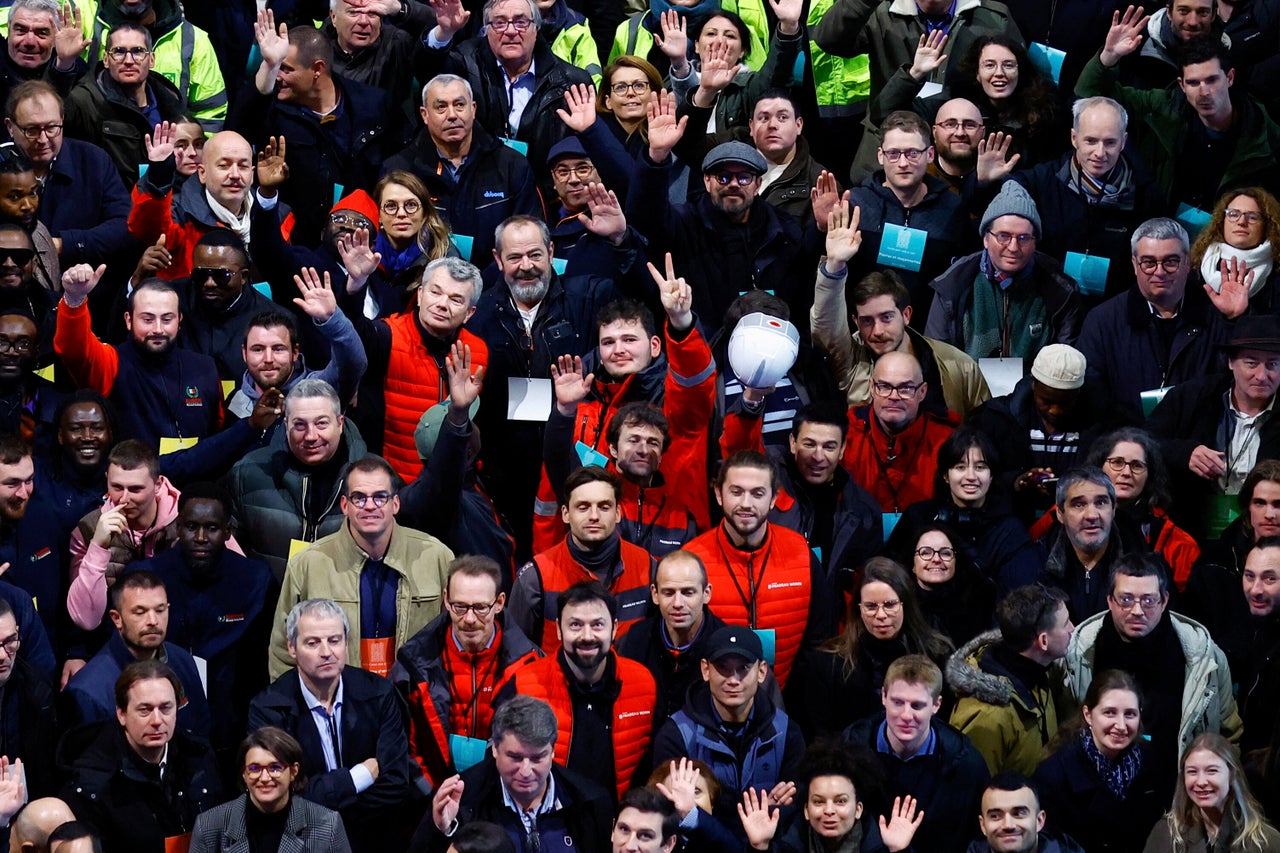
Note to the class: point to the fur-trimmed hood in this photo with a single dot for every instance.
(967, 678)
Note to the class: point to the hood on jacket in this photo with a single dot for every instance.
(967, 678)
(168, 15)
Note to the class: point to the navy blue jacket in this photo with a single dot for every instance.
(177, 394)
(30, 727)
(36, 649)
(90, 695)
(35, 548)
(86, 204)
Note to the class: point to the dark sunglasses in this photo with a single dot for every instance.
(20, 257)
(221, 277)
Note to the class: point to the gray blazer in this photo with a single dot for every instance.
(310, 829)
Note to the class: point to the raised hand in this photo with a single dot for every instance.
(446, 802)
(79, 281)
(450, 17)
(384, 8)
(843, 237)
(360, 260)
(1233, 299)
(1125, 36)
(607, 219)
(665, 132)
(788, 12)
(677, 296)
(900, 828)
(581, 101)
(272, 168)
(570, 385)
(13, 792)
(716, 72)
(823, 198)
(70, 40)
(681, 787)
(154, 259)
(674, 43)
(273, 43)
(160, 143)
(992, 154)
(317, 300)
(267, 410)
(929, 56)
(759, 821)
(465, 381)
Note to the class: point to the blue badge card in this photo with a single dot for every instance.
(559, 265)
(463, 244)
(1089, 272)
(902, 247)
(888, 521)
(1047, 59)
(337, 193)
(589, 456)
(768, 642)
(1152, 398)
(467, 752)
(1193, 219)
(516, 145)
(263, 287)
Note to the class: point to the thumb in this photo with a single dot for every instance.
(99, 272)
(160, 242)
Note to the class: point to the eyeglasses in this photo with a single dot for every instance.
(221, 277)
(739, 672)
(1146, 602)
(409, 206)
(1249, 216)
(1003, 238)
(1009, 66)
(20, 257)
(639, 87)
(343, 220)
(913, 155)
(1148, 264)
(362, 500)
(137, 54)
(520, 24)
(22, 346)
(1119, 463)
(274, 769)
(33, 131)
(926, 553)
(10, 644)
(871, 608)
(740, 178)
(951, 125)
(582, 170)
(904, 391)
(481, 610)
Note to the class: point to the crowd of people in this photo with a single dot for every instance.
(468, 426)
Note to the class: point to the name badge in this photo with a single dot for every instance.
(559, 265)
(466, 752)
(296, 547)
(589, 456)
(375, 655)
(172, 445)
(1047, 59)
(1152, 398)
(888, 521)
(528, 399)
(1192, 218)
(463, 244)
(1002, 374)
(768, 643)
(516, 145)
(902, 247)
(1089, 272)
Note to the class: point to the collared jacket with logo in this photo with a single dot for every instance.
(898, 470)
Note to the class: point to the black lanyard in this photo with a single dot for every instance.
(753, 583)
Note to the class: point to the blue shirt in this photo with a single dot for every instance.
(883, 746)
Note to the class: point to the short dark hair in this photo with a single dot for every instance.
(777, 94)
(853, 761)
(225, 238)
(282, 745)
(155, 285)
(84, 396)
(1013, 781)
(13, 161)
(880, 283)
(953, 450)
(481, 836)
(136, 579)
(130, 27)
(1141, 565)
(824, 412)
(744, 32)
(370, 464)
(748, 459)
(591, 474)
(1203, 49)
(145, 670)
(312, 47)
(13, 449)
(584, 592)
(206, 491)
(1026, 613)
(638, 413)
(271, 318)
(132, 454)
(649, 801)
(74, 830)
(475, 566)
(908, 122)
(628, 309)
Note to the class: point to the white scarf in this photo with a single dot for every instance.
(238, 224)
(1258, 259)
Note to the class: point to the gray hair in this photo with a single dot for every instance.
(531, 720)
(447, 80)
(1078, 108)
(317, 607)
(535, 14)
(48, 7)
(520, 219)
(312, 387)
(460, 271)
(1087, 474)
(1160, 228)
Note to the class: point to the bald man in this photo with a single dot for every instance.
(29, 833)
(956, 132)
(893, 444)
(221, 197)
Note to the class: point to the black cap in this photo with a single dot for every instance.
(734, 640)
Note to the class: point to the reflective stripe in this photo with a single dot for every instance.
(691, 381)
(545, 508)
(188, 51)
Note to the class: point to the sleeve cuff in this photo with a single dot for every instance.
(362, 778)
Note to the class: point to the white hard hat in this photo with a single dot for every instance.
(762, 349)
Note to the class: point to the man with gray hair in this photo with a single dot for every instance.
(1089, 199)
(351, 725)
(1165, 329)
(540, 804)
(407, 352)
(475, 181)
(43, 42)
(286, 494)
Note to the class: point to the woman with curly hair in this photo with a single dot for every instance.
(1244, 229)
(883, 623)
(1213, 810)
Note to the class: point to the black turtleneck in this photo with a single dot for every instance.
(602, 561)
(591, 746)
(1160, 666)
(263, 831)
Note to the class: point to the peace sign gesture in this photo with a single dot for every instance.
(677, 296)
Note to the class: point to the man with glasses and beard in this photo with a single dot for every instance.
(956, 131)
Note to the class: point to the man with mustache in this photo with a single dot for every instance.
(604, 703)
(140, 613)
(219, 301)
(1184, 676)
